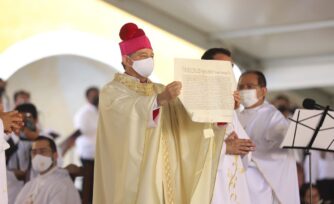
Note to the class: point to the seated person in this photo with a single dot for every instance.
(305, 194)
(18, 154)
(53, 184)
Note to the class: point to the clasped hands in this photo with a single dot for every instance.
(236, 146)
(12, 121)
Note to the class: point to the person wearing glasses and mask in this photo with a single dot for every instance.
(53, 184)
(271, 174)
(148, 149)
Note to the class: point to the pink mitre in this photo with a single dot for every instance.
(133, 39)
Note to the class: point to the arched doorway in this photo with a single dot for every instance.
(56, 68)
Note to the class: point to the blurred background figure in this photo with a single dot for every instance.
(301, 175)
(322, 173)
(21, 97)
(4, 99)
(286, 107)
(305, 195)
(283, 104)
(84, 138)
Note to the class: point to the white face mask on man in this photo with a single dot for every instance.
(144, 67)
(41, 163)
(248, 97)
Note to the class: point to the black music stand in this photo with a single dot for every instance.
(311, 129)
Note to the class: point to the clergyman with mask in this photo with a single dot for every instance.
(148, 149)
(272, 174)
(53, 184)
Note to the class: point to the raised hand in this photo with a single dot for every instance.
(171, 91)
(29, 134)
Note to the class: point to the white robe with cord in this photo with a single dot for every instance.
(231, 183)
(54, 187)
(272, 173)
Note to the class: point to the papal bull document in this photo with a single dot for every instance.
(207, 89)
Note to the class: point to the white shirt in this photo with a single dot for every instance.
(231, 184)
(272, 174)
(20, 160)
(3, 178)
(14, 186)
(54, 187)
(86, 121)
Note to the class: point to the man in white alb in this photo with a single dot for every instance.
(53, 184)
(272, 174)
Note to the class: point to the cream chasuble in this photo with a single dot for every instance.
(171, 163)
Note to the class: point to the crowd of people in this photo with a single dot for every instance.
(142, 147)
(35, 170)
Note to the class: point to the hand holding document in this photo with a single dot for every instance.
(207, 89)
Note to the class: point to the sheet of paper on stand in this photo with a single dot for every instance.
(207, 89)
(301, 129)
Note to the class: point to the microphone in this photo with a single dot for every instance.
(309, 103)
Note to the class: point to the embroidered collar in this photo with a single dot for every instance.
(134, 84)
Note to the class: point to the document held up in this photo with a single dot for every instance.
(207, 89)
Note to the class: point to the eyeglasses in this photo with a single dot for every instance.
(41, 151)
(248, 86)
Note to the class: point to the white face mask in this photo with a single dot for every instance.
(144, 67)
(41, 163)
(248, 97)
